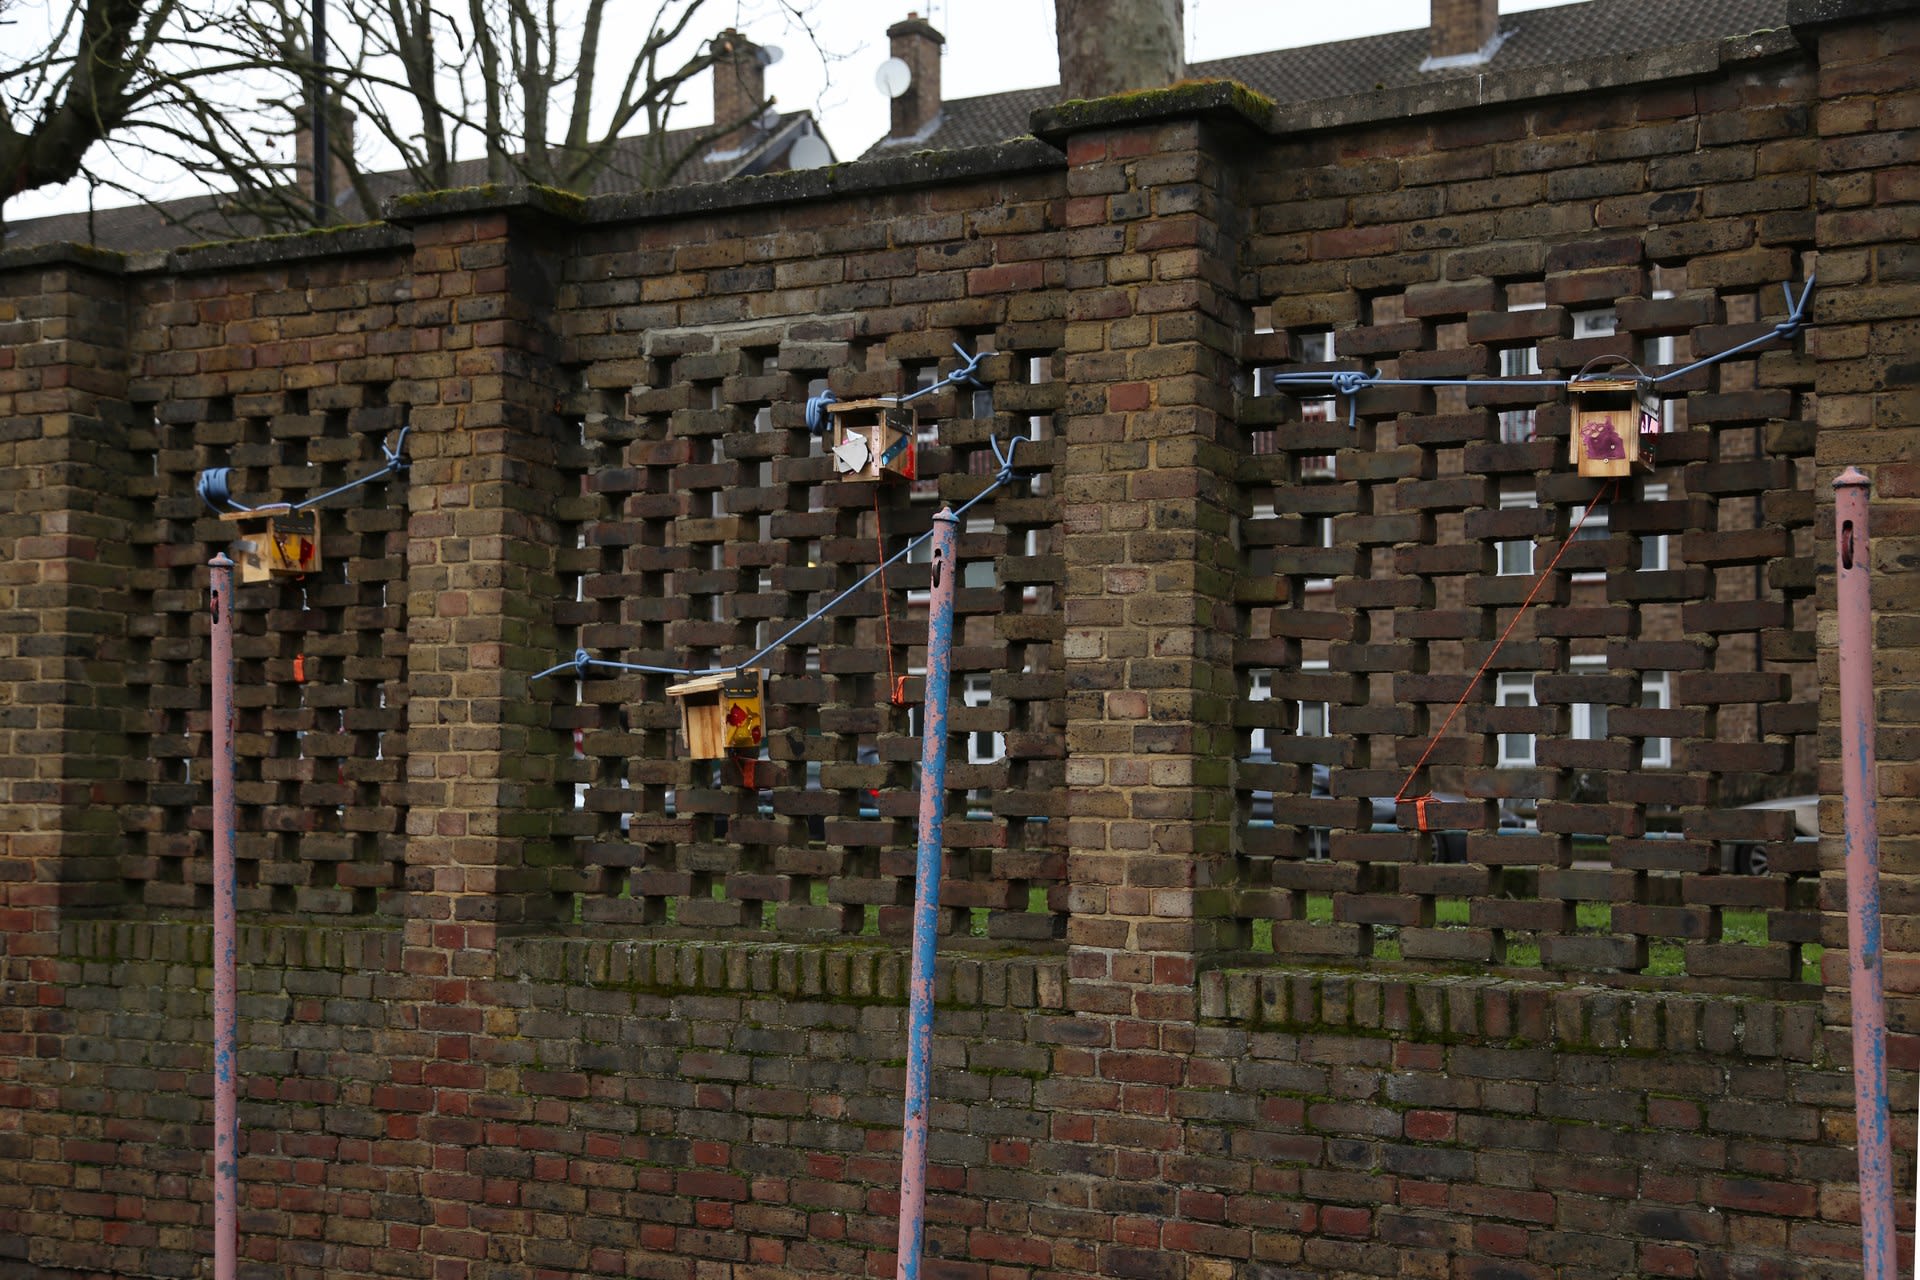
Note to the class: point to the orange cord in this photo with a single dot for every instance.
(896, 685)
(1420, 805)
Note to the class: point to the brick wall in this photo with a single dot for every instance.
(526, 992)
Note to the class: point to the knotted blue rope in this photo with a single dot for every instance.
(582, 660)
(215, 485)
(817, 404)
(1350, 382)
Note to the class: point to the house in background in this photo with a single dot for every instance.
(763, 144)
(1464, 38)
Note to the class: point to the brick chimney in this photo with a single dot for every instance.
(739, 87)
(1459, 30)
(340, 123)
(916, 43)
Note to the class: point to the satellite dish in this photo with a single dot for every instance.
(768, 54)
(770, 117)
(810, 152)
(893, 77)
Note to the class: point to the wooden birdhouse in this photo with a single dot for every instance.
(275, 542)
(721, 714)
(871, 439)
(1613, 420)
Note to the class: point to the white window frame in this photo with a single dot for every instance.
(1325, 542)
(1517, 425)
(976, 573)
(1657, 351)
(1587, 720)
(1259, 689)
(1599, 322)
(984, 746)
(1515, 689)
(1515, 499)
(1316, 348)
(1656, 692)
(1655, 543)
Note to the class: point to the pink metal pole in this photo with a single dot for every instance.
(1860, 789)
(926, 897)
(226, 1111)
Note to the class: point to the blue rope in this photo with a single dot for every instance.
(817, 411)
(817, 404)
(1350, 382)
(396, 465)
(215, 484)
(581, 659)
(963, 374)
(1787, 329)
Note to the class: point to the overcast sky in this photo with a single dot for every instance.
(992, 45)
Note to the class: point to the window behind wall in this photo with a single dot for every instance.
(1516, 425)
(1588, 720)
(1317, 348)
(983, 747)
(1516, 554)
(1515, 690)
(1656, 693)
(1311, 717)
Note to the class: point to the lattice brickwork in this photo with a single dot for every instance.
(1589, 785)
(320, 662)
(709, 523)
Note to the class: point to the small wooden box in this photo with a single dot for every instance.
(721, 714)
(275, 542)
(871, 440)
(1613, 420)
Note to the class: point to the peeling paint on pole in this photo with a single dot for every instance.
(926, 896)
(226, 1113)
(1864, 957)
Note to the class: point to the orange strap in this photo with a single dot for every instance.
(1420, 805)
(896, 685)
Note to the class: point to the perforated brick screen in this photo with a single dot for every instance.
(1586, 793)
(709, 523)
(320, 675)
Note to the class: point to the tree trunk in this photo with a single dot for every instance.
(1113, 46)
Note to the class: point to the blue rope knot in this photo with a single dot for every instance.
(817, 411)
(396, 457)
(1796, 310)
(1352, 381)
(1005, 457)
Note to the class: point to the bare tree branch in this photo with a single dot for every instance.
(221, 89)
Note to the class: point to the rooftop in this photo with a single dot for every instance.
(1346, 68)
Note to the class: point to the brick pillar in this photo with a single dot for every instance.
(482, 542)
(64, 538)
(1148, 492)
(1869, 416)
